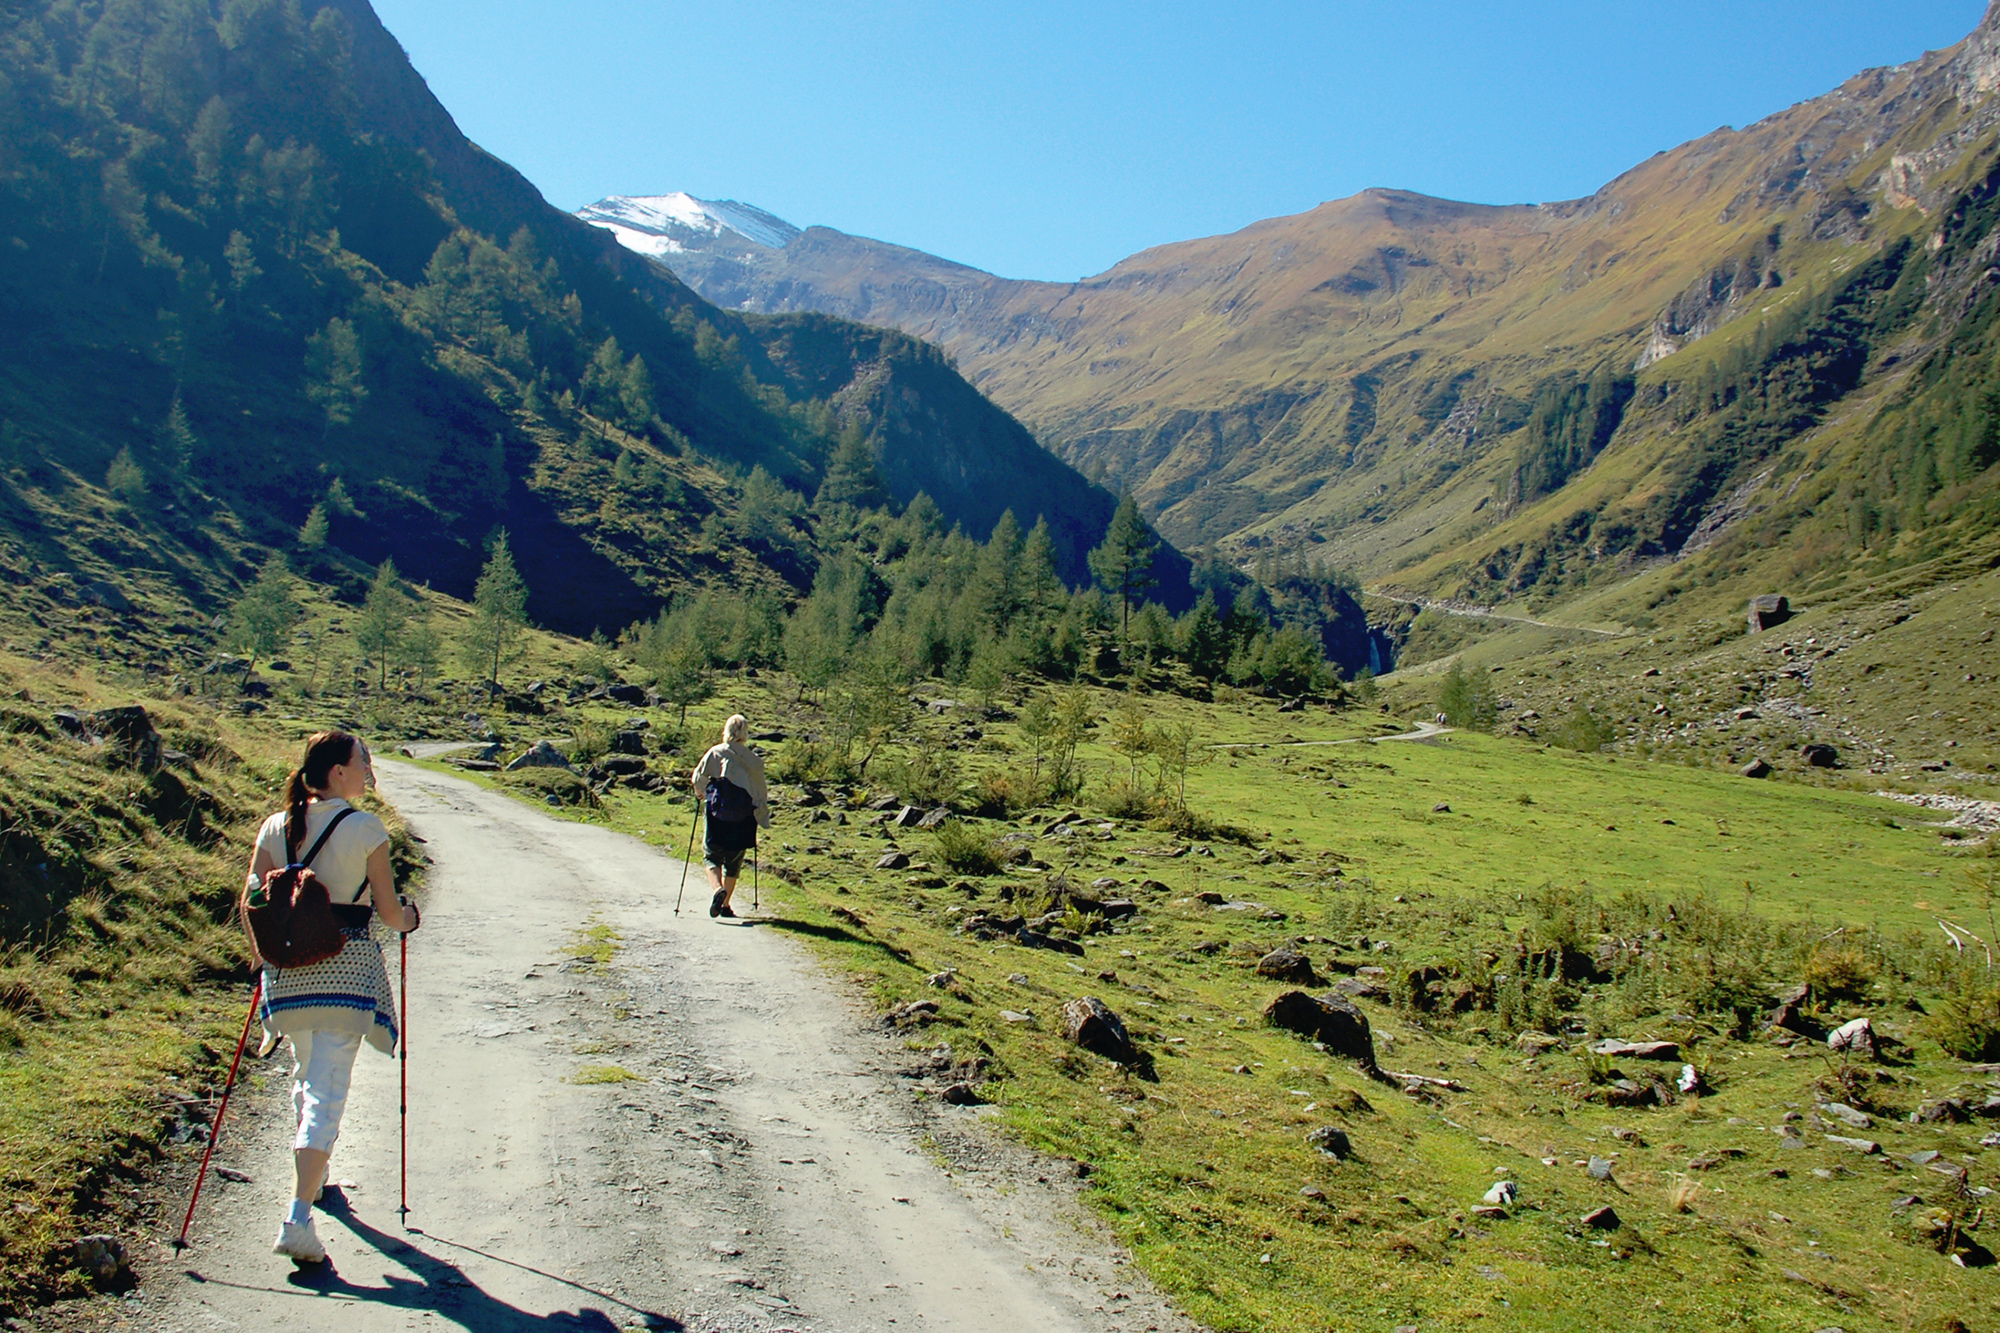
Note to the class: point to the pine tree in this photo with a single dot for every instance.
(1124, 563)
(125, 478)
(997, 578)
(499, 612)
(180, 443)
(263, 615)
(313, 533)
(1040, 585)
(852, 478)
(333, 372)
(385, 618)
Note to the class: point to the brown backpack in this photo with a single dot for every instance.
(291, 918)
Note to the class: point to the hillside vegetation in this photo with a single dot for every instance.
(1761, 360)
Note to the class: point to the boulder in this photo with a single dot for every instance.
(1820, 756)
(1331, 1141)
(1332, 1020)
(1503, 1194)
(130, 732)
(1034, 939)
(1944, 1111)
(1768, 611)
(541, 755)
(1287, 965)
(934, 817)
(1756, 768)
(908, 817)
(1092, 1024)
(1535, 1043)
(1355, 988)
(1847, 1115)
(893, 861)
(1602, 1219)
(622, 765)
(629, 695)
(1855, 1038)
(628, 742)
(1866, 1147)
(961, 1094)
(1637, 1050)
(916, 1011)
(1117, 909)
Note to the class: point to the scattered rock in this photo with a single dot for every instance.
(1856, 1038)
(1848, 1115)
(130, 732)
(1287, 965)
(1314, 1193)
(1015, 1016)
(1637, 1050)
(1354, 988)
(1820, 756)
(1944, 1111)
(1034, 939)
(1331, 1141)
(1866, 1147)
(1535, 1043)
(1117, 909)
(961, 1094)
(1092, 1024)
(1602, 1219)
(1599, 1168)
(1689, 1081)
(1332, 1020)
(541, 755)
(916, 1011)
(104, 1261)
(1503, 1194)
(1441, 808)
(908, 817)
(893, 861)
(1768, 611)
(1211, 898)
(934, 817)
(940, 980)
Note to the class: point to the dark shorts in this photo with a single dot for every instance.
(725, 843)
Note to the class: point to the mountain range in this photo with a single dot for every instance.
(1761, 340)
(252, 269)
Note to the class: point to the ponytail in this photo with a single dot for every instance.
(325, 751)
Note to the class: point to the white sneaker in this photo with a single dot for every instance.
(298, 1242)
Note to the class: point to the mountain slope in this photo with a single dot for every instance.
(1380, 378)
(250, 266)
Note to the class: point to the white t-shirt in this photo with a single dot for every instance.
(342, 865)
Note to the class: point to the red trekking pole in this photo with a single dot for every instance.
(215, 1126)
(403, 1047)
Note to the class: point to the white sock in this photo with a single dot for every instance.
(301, 1212)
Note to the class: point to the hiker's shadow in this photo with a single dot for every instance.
(442, 1288)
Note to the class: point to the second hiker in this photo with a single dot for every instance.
(729, 781)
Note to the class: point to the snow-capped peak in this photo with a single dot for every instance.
(663, 224)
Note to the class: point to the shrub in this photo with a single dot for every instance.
(1844, 973)
(1966, 1021)
(812, 761)
(1124, 799)
(927, 774)
(966, 849)
(591, 741)
(1582, 731)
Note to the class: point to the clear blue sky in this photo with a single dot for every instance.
(1046, 139)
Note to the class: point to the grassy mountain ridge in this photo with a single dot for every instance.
(1383, 379)
(246, 255)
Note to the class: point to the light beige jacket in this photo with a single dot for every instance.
(742, 766)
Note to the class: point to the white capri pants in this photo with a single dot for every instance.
(323, 1067)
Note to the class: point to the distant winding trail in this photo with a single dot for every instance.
(1423, 732)
(1483, 613)
(702, 1135)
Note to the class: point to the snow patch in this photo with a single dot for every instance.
(667, 223)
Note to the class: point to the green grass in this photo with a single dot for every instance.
(1201, 1171)
(595, 1075)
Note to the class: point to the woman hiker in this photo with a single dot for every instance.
(329, 1008)
(729, 781)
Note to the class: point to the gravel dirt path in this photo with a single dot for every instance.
(706, 1133)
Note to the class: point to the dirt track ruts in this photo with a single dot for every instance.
(764, 1170)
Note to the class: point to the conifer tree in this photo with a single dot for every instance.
(1124, 563)
(263, 615)
(852, 479)
(333, 372)
(499, 612)
(1040, 584)
(385, 618)
(996, 581)
(313, 532)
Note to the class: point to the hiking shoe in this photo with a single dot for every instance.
(715, 907)
(724, 911)
(298, 1242)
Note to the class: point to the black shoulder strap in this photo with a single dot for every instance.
(325, 833)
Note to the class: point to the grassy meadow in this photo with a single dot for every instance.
(1446, 863)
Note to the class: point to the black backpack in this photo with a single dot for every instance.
(729, 803)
